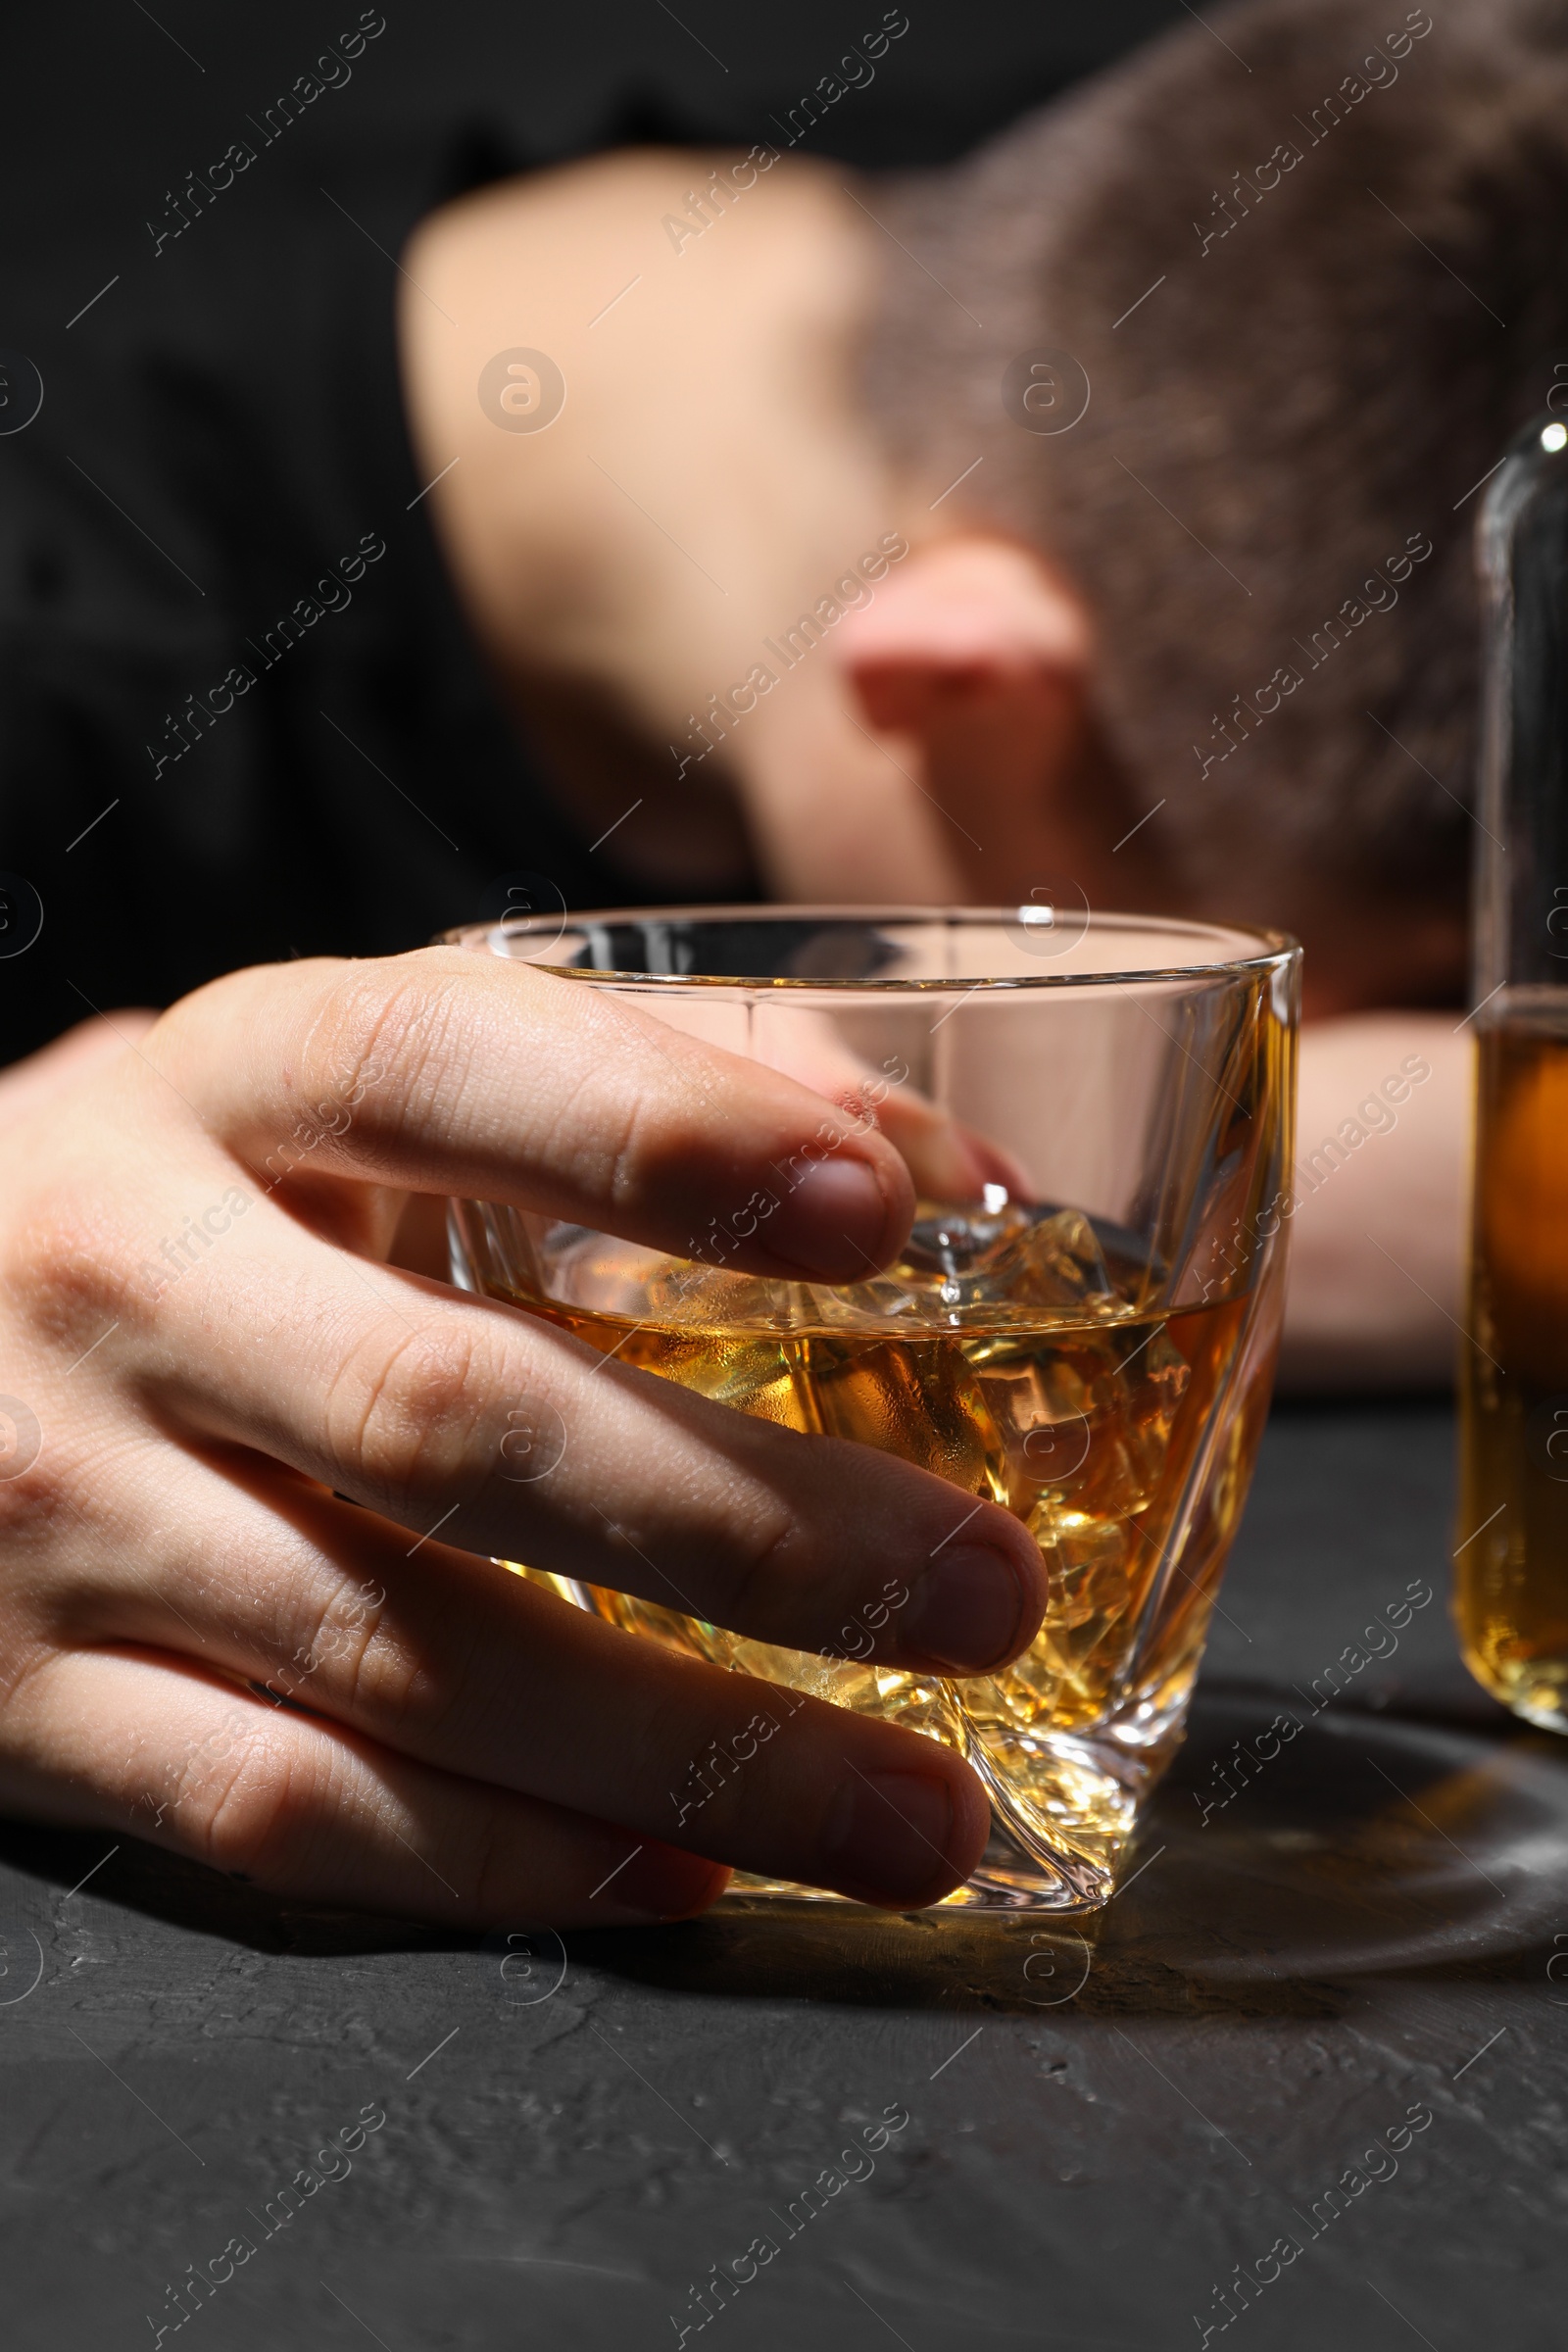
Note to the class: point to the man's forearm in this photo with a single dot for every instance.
(1377, 1245)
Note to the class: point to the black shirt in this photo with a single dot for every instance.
(239, 714)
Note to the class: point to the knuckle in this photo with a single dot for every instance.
(338, 1630)
(23, 1659)
(588, 1125)
(769, 1563)
(404, 1686)
(407, 1408)
(632, 1135)
(645, 1136)
(381, 1038)
(431, 1680)
(721, 1803)
(39, 1509)
(61, 1263)
(244, 1812)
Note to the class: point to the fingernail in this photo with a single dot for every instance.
(964, 1612)
(831, 1223)
(887, 1840)
(666, 1883)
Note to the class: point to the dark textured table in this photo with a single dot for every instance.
(1305, 2080)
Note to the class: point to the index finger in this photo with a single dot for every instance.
(447, 1072)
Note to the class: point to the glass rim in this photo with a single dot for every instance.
(1274, 950)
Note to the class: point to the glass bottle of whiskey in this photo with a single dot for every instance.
(1511, 1558)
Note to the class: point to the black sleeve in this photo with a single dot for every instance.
(240, 717)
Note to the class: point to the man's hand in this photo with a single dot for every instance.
(253, 1475)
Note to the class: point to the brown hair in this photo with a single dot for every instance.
(1314, 264)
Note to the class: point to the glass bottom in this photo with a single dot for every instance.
(1535, 1689)
(1008, 1878)
(1090, 1798)
(1064, 1806)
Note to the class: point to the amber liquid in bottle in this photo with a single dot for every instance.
(1511, 1565)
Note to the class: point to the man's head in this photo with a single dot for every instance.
(1308, 266)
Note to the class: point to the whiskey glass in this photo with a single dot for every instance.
(1097, 1111)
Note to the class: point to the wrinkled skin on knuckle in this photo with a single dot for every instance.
(333, 1631)
(434, 1692)
(66, 1262)
(595, 1073)
(385, 1046)
(678, 1147)
(776, 1576)
(22, 1655)
(72, 1265)
(712, 1502)
(243, 1810)
(408, 1413)
(799, 1526)
(46, 1525)
(639, 1149)
(392, 1687)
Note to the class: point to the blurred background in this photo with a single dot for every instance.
(219, 421)
(105, 90)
